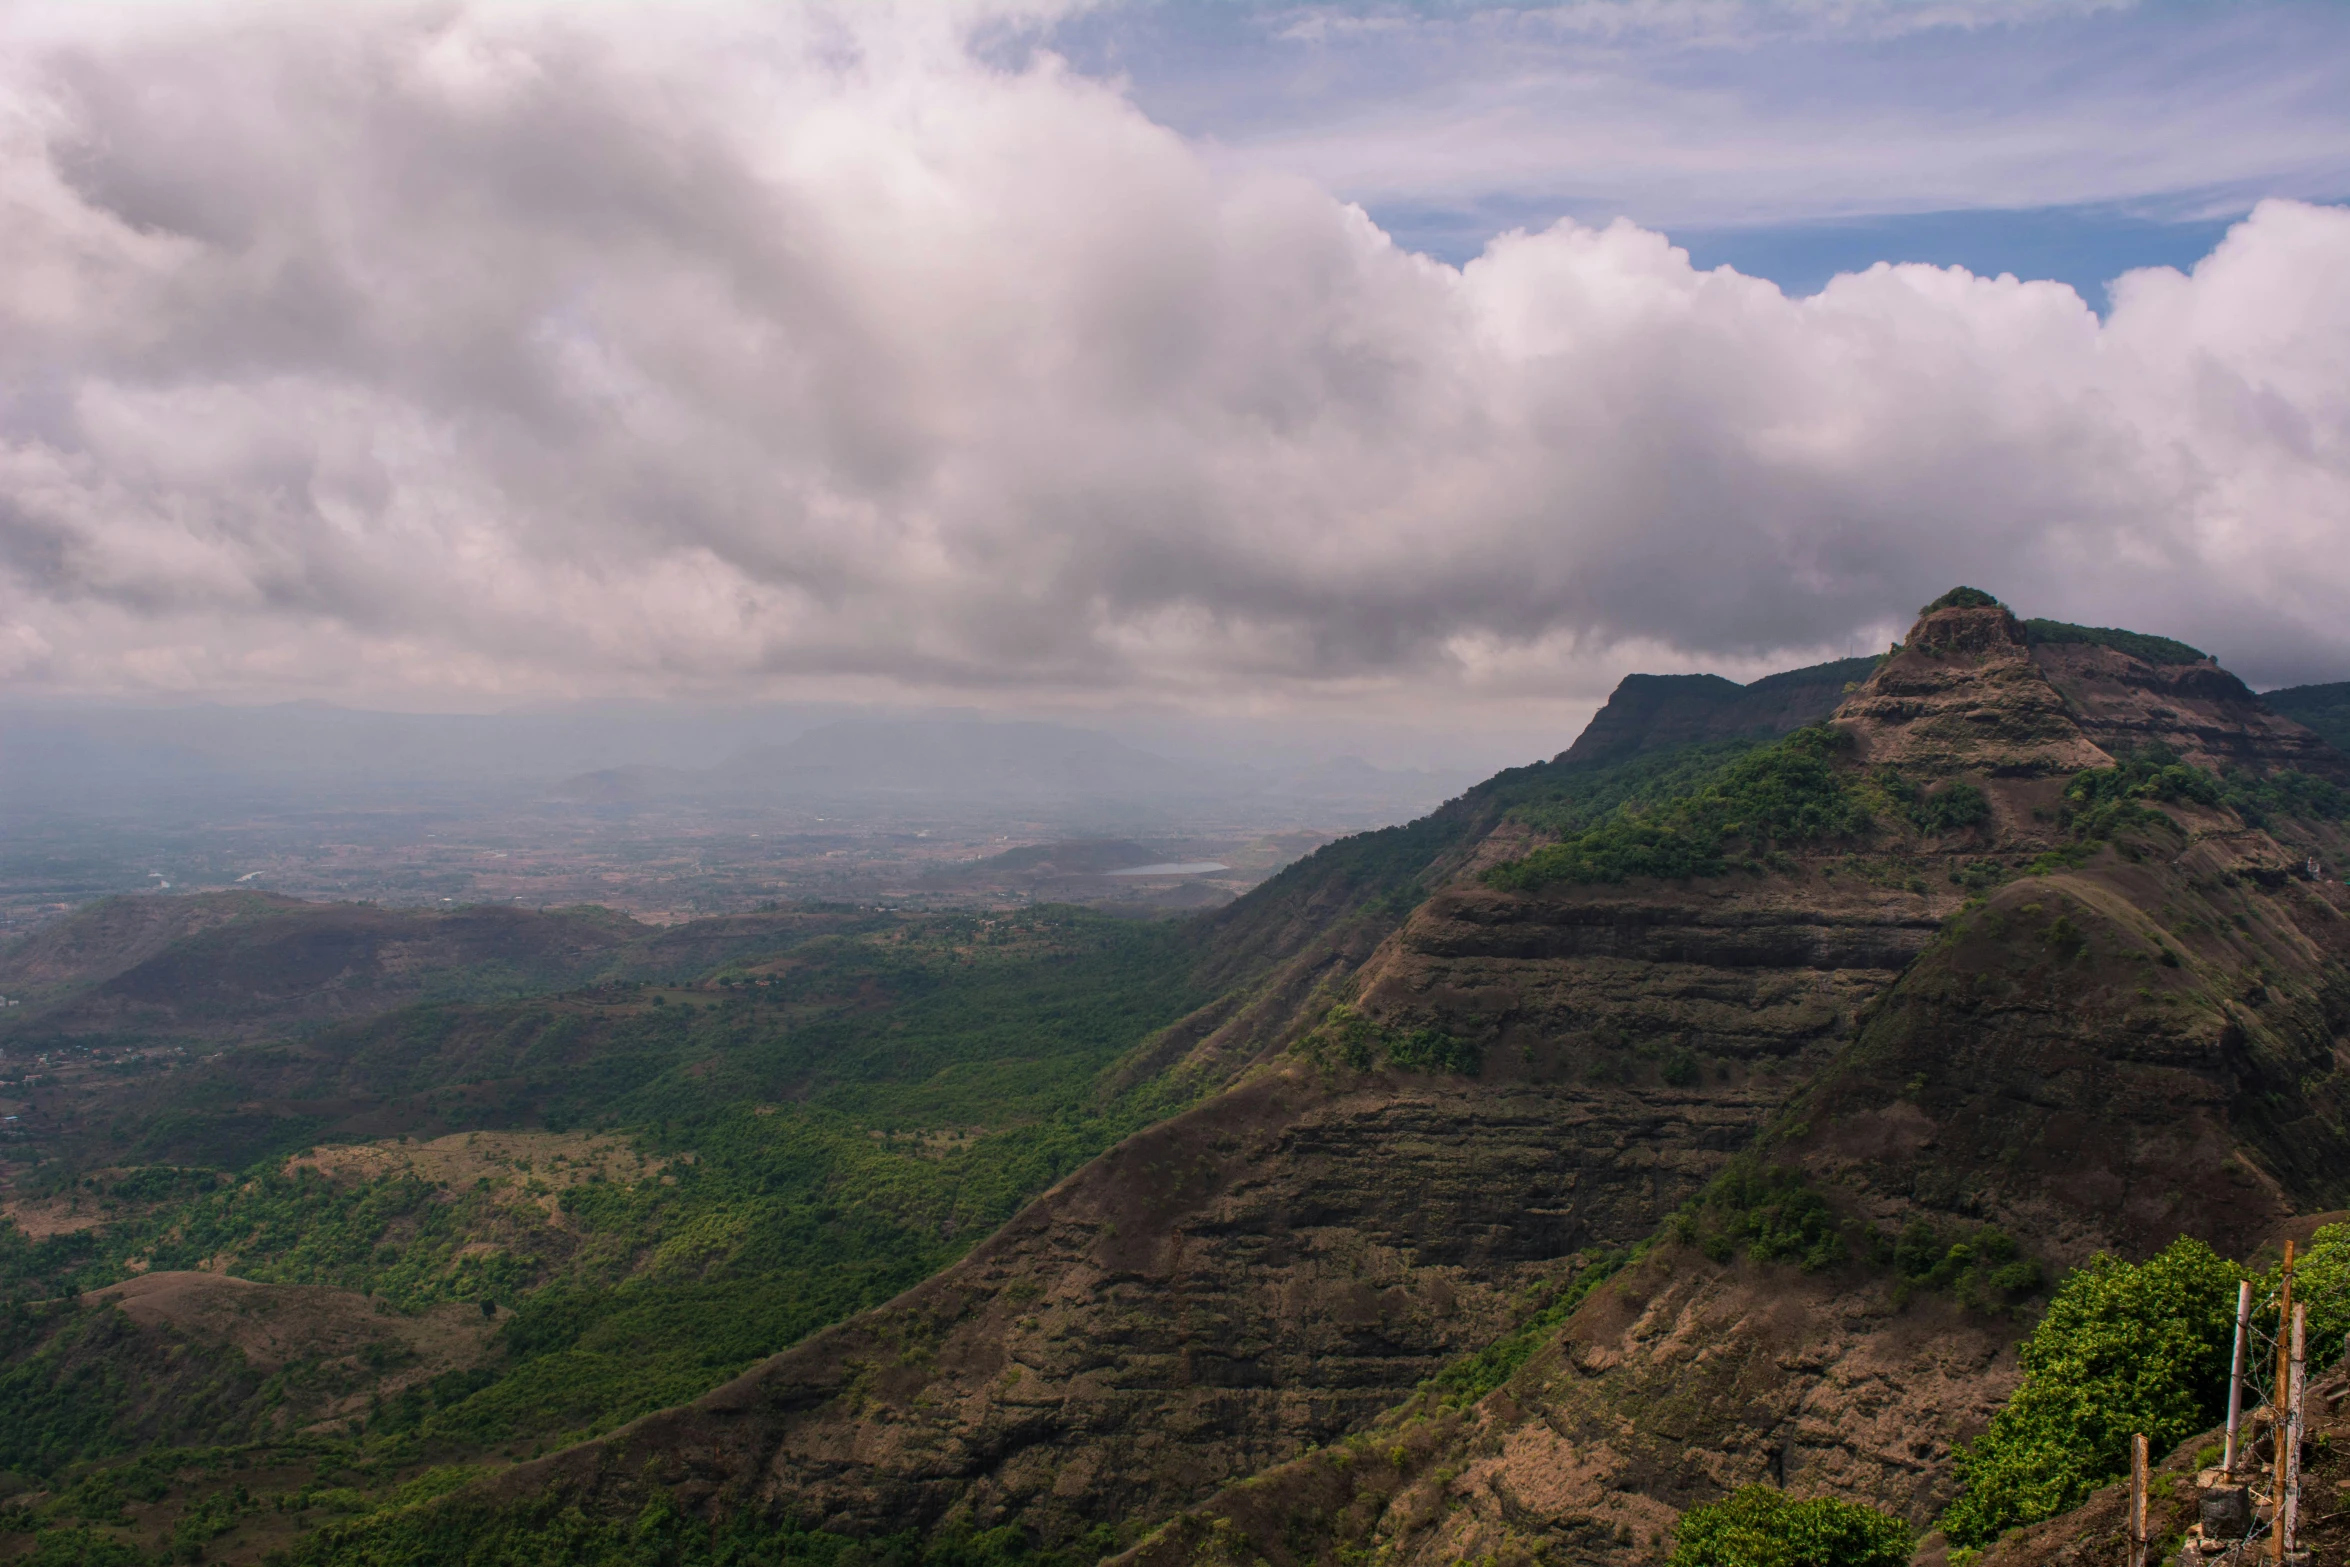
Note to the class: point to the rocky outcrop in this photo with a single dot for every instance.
(1964, 695)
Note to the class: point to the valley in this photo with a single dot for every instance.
(1722, 1103)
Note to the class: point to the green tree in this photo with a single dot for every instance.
(1760, 1527)
(2124, 1348)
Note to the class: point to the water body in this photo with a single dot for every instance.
(1173, 868)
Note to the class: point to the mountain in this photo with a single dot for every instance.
(1483, 1093)
(1714, 1103)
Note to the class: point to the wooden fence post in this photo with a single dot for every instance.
(2289, 1502)
(2138, 1500)
(2279, 1398)
(2227, 1461)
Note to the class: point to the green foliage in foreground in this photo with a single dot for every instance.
(2123, 1348)
(1760, 1527)
(1785, 793)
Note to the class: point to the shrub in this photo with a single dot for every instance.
(1950, 808)
(1760, 1527)
(2124, 1348)
(1962, 598)
(1364, 1042)
(1769, 1211)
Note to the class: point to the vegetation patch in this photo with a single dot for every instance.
(1769, 1212)
(1790, 792)
(1347, 1037)
(2124, 1348)
(1761, 1527)
(1981, 1268)
(2137, 644)
(798, 1148)
(1954, 807)
(1473, 1376)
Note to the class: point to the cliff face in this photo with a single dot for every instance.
(2037, 1062)
(1276, 1267)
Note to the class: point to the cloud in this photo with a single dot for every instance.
(525, 351)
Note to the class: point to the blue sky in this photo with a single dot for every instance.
(1791, 140)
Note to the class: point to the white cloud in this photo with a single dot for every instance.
(518, 351)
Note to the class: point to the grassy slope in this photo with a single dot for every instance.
(827, 1130)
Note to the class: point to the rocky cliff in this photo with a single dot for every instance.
(2139, 1037)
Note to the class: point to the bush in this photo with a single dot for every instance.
(2124, 1348)
(1769, 1211)
(1364, 1042)
(1760, 1527)
(1962, 598)
(1954, 806)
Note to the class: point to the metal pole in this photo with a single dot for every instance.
(2289, 1504)
(2138, 1500)
(2227, 1462)
(2276, 1410)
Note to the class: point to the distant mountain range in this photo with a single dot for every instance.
(971, 767)
(307, 756)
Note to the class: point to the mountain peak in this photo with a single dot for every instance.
(1980, 624)
(1962, 598)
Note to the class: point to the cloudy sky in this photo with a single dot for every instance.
(1428, 364)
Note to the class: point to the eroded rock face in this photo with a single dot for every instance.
(1964, 695)
(2093, 1056)
(2199, 710)
(1674, 1384)
(1263, 1274)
